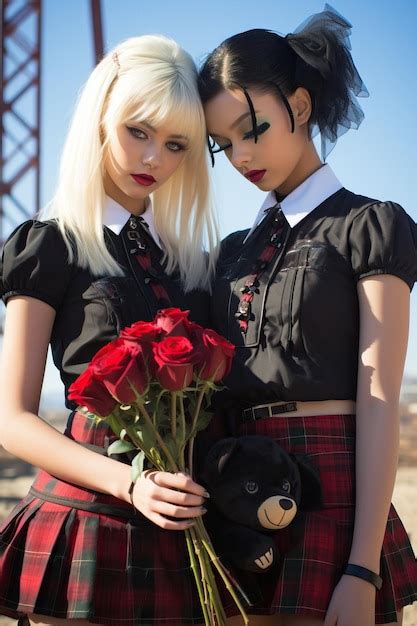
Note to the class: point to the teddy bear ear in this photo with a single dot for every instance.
(311, 491)
(217, 458)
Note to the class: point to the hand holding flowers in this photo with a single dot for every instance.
(152, 385)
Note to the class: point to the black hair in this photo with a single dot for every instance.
(316, 57)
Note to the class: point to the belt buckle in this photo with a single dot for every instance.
(272, 410)
(248, 414)
(285, 407)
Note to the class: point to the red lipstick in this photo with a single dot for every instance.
(255, 175)
(143, 179)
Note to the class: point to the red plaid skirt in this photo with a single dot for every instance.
(316, 546)
(67, 562)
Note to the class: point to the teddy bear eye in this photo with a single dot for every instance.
(285, 486)
(251, 486)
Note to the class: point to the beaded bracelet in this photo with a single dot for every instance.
(365, 574)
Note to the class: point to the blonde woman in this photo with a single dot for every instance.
(122, 238)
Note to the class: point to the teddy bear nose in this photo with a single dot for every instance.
(285, 504)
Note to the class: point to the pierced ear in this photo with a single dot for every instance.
(218, 457)
(301, 105)
(311, 491)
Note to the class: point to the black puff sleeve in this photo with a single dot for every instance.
(383, 240)
(35, 263)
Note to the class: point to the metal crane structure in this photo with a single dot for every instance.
(20, 106)
(20, 73)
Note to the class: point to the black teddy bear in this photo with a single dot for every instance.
(255, 487)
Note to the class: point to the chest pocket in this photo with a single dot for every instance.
(114, 300)
(311, 274)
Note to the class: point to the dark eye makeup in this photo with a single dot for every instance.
(173, 146)
(215, 147)
(136, 132)
(259, 129)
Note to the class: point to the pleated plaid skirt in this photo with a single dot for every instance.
(105, 564)
(112, 567)
(315, 547)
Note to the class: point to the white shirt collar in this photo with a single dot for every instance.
(115, 217)
(303, 199)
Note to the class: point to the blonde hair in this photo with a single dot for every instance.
(149, 78)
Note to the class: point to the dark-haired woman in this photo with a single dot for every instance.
(316, 298)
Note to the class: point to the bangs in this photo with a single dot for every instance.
(167, 102)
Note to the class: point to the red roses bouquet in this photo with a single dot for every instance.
(152, 386)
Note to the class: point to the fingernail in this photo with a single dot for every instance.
(203, 509)
(190, 522)
(206, 494)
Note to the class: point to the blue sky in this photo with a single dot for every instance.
(379, 160)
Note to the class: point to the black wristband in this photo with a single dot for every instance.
(130, 492)
(364, 573)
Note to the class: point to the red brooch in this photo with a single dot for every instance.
(251, 286)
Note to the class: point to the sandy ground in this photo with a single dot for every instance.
(16, 476)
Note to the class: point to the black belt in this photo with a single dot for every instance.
(267, 410)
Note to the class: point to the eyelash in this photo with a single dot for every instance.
(140, 134)
(262, 128)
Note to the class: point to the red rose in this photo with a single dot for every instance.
(109, 347)
(120, 366)
(217, 356)
(174, 322)
(175, 357)
(145, 334)
(141, 331)
(89, 391)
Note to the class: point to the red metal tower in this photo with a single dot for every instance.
(97, 30)
(20, 75)
(20, 103)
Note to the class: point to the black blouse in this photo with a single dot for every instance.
(90, 310)
(302, 337)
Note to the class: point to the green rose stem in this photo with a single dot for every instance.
(203, 565)
(217, 615)
(158, 437)
(181, 447)
(215, 593)
(215, 561)
(222, 570)
(205, 536)
(132, 434)
(212, 585)
(194, 424)
(174, 414)
(158, 400)
(196, 573)
(197, 550)
(207, 597)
